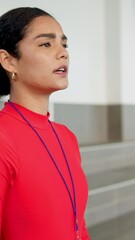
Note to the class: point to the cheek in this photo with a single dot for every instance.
(40, 63)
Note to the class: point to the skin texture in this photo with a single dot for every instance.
(41, 54)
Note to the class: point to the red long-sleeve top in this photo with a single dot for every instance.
(34, 202)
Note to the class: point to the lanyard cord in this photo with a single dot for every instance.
(71, 177)
(52, 158)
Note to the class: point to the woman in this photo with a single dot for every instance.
(43, 190)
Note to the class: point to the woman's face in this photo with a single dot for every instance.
(43, 65)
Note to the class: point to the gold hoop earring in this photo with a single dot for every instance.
(13, 76)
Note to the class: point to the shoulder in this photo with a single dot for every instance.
(6, 141)
(4, 137)
(69, 140)
(65, 132)
(4, 119)
(8, 154)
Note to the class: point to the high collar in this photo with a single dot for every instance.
(36, 119)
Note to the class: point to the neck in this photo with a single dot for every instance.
(39, 105)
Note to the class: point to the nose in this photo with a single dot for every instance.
(62, 53)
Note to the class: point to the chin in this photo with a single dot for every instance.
(63, 85)
(60, 88)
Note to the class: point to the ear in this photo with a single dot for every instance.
(7, 61)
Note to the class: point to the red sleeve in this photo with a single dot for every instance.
(8, 167)
(85, 234)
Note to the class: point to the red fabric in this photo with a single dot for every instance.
(34, 203)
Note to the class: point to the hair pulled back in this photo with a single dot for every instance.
(13, 26)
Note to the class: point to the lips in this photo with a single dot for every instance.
(61, 70)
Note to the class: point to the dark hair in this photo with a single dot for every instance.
(13, 26)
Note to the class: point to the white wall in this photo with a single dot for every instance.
(112, 22)
(128, 51)
(101, 45)
(86, 31)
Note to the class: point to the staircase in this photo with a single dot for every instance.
(110, 171)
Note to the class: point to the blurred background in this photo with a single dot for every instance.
(99, 105)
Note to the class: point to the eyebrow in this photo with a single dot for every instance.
(50, 35)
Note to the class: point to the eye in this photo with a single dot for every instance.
(46, 44)
(65, 45)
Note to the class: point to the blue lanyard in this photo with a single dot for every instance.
(73, 200)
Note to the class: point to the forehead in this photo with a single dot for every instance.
(43, 24)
